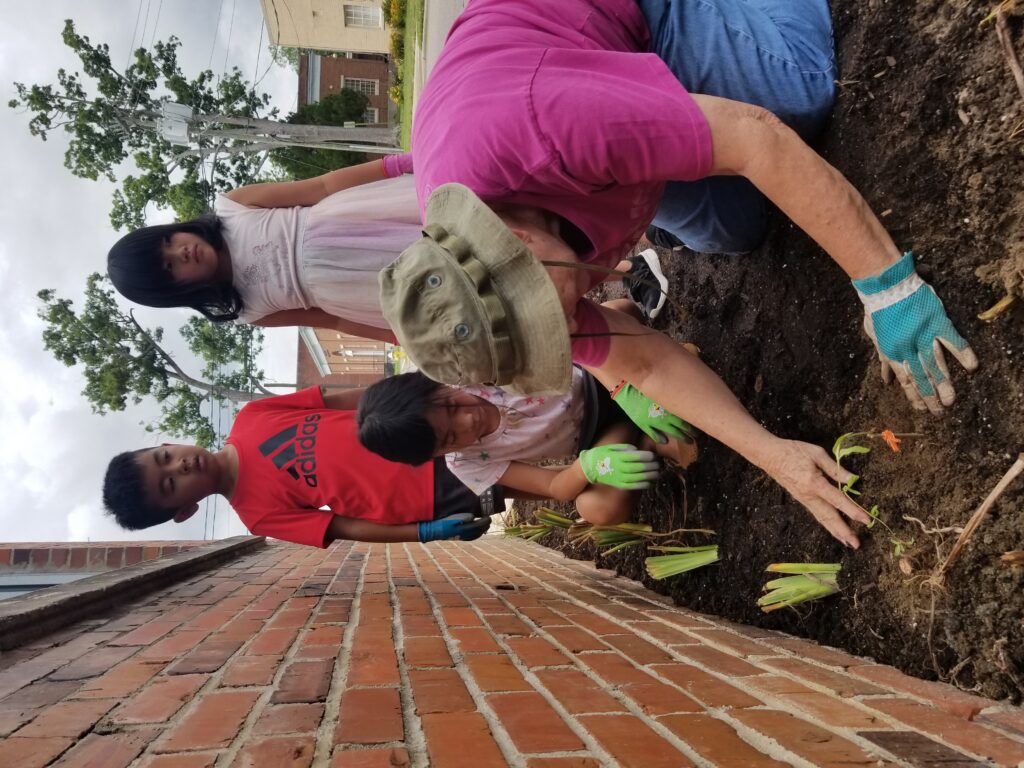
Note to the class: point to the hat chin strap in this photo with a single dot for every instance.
(585, 267)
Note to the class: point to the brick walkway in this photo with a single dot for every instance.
(453, 655)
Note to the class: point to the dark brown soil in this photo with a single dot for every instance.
(923, 129)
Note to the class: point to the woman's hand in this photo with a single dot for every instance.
(810, 475)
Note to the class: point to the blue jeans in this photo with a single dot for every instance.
(777, 54)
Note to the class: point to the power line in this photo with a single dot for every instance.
(216, 29)
(131, 44)
(227, 45)
(145, 23)
(156, 23)
(259, 50)
(294, 159)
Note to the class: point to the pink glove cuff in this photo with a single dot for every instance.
(397, 165)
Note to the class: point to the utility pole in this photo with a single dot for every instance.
(179, 125)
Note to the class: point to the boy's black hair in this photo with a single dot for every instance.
(392, 418)
(125, 497)
(136, 269)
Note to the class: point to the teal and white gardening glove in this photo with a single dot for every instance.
(620, 465)
(461, 525)
(909, 327)
(653, 420)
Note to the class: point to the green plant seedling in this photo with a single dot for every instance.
(528, 532)
(685, 559)
(548, 516)
(611, 538)
(547, 521)
(899, 546)
(843, 447)
(811, 581)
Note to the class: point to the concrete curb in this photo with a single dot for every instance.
(35, 614)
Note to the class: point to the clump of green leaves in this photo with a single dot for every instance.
(528, 532)
(608, 538)
(547, 521)
(611, 538)
(810, 581)
(684, 559)
(548, 516)
(844, 446)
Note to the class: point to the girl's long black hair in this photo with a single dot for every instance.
(135, 267)
(392, 418)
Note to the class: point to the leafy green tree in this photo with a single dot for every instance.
(124, 362)
(113, 116)
(335, 109)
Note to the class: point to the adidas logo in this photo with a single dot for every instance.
(293, 450)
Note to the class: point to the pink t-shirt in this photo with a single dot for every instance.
(564, 111)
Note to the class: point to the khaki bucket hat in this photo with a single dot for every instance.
(471, 304)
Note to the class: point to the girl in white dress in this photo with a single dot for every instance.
(292, 253)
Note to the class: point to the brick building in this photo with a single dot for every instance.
(27, 566)
(333, 359)
(485, 654)
(349, 25)
(369, 74)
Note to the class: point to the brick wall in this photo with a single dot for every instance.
(333, 69)
(307, 374)
(450, 655)
(65, 557)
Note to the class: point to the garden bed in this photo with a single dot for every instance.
(923, 127)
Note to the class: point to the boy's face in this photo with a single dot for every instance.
(178, 477)
(459, 419)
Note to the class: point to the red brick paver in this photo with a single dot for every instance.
(456, 654)
(952, 729)
(533, 725)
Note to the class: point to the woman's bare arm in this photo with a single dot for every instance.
(678, 381)
(752, 142)
(315, 317)
(288, 194)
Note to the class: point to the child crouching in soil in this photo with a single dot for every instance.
(491, 436)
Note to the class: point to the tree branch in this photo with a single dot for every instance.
(176, 372)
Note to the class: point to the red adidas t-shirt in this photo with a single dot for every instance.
(296, 456)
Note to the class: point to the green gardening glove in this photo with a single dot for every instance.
(653, 420)
(620, 465)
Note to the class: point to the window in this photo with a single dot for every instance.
(362, 16)
(369, 116)
(361, 85)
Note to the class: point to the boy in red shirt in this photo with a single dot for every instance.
(285, 460)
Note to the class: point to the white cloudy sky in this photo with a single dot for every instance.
(54, 230)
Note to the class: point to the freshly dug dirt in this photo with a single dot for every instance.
(924, 128)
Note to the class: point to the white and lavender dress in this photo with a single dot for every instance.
(326, 256)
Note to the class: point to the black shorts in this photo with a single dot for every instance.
(452, 497)
(599, 411)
